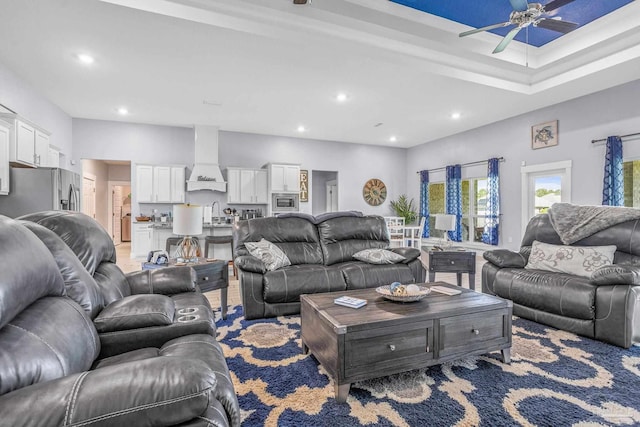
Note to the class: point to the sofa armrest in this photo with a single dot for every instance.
(165, 281)
(136, 311)
(504, 258)
(408, 253)
(616, 274)
(250, 263)
(161, 391)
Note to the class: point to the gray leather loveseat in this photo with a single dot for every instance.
(51, 371)
(604, 306)
(321, 252)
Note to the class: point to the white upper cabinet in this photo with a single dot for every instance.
(5, 134)
(246, 186)
(284, 178)
(160, 184)
(144, 183)
(178, 183)
(28, 143)
(53, 160)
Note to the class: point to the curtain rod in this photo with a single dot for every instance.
(593, 141)
(479, 162)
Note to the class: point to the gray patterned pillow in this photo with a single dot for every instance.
(271, 256)
(578, 260)
(378, 256)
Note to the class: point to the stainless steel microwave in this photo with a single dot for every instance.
(285, 202)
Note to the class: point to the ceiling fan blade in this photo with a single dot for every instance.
(557, 25)
(479, 30)
(554, 4)
(506, 40)
(519, 5)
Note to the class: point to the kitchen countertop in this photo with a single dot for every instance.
(168, 225)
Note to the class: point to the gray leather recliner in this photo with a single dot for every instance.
(321, 252)
(50, 370)
(605, 307)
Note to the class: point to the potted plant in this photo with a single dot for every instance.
(403, 207)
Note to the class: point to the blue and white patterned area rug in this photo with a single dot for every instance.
(555, 379)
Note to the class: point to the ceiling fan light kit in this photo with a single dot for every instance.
(525, 14)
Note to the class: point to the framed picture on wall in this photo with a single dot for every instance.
(544, 135)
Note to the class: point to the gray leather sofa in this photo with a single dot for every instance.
(130, 311)
(605, 306)
(51, 372)
(321, 253)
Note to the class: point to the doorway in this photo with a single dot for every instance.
(324, 192)
(542, 186)
(120, 211)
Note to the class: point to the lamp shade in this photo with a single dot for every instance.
(187, 220)
(445, 222)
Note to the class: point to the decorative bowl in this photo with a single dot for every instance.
(143, 218)
(385, 291)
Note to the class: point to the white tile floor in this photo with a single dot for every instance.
(128, 264)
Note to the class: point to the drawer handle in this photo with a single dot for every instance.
(453, 262)
(475, 331)
(205, 278)
(392, 347)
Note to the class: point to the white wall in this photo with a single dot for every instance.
(615, 111)
(101, 171)
(355, 163)
(20, 97)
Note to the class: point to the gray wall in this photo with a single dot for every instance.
(101, 171)
(615, 111)
(106, 140)
(19, 96)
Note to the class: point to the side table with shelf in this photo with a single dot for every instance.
(453, 262)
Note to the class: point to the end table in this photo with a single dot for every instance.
(453, 262)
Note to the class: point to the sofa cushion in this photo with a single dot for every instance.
(557, 293)
(343, 236)
(136, 311)
(505, 258)
(378, 256)
(578, 260)
(358, 275)
(271, 256)
(287, 284)
(616, 274)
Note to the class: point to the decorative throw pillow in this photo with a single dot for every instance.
(271, 256)
(578, 260)
(378, 256)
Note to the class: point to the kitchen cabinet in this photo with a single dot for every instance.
(28, 143)
(284, 178)
(142, 239)
(160, 184)
(5, 135)
(178, 182)
(246, 186)
(53, 160)
(144, 183)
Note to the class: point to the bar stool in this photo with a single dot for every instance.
(220, 240)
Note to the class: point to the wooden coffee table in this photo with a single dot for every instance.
(386, 337)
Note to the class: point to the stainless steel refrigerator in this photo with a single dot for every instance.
(41, 189)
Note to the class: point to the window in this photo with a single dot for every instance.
(631, 171)
(542, 186)
(474, 203)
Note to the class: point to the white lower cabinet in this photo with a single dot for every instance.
(142, 242)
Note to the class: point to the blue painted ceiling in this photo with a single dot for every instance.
(480, 13)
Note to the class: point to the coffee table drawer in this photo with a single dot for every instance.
(375, 347)
(472, 331)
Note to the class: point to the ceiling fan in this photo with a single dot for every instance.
(525, 14)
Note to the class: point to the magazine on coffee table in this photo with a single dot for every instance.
(350, 302)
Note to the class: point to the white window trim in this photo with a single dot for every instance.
(544, 167)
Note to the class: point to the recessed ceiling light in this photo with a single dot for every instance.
(393, 138)
(123, 111)
(341, 97)
(455, 116)
(301, 129)
(85, 59)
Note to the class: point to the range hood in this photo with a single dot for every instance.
(206, 174)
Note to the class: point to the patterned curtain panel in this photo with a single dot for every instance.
(424, 200)
(454, 200)
(613, 186)
(490, 233)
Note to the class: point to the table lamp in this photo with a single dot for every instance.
(446, 223)
(187, 222)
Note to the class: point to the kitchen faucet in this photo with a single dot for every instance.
(215, 202)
